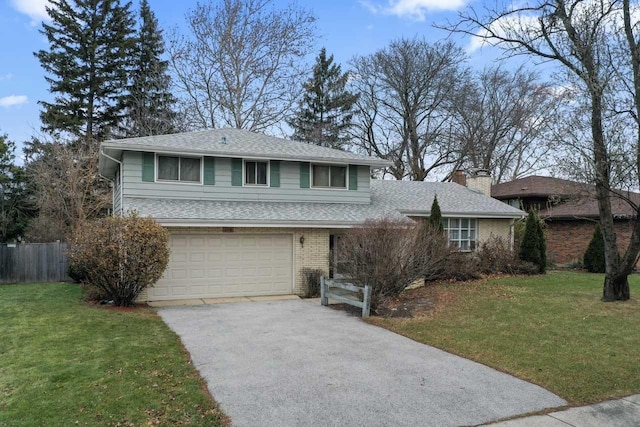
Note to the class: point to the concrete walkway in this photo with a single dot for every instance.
(613, 413)
(296, 363)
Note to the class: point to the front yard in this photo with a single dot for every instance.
(551, 330)
(65, 363)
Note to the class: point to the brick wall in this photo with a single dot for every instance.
(568, 240)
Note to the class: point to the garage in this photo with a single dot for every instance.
(226, 265)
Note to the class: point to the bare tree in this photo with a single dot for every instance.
(404, 111)
(240, 64)
(506, 122)
(69, 189)
(596, 43)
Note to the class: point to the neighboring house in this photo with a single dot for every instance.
(570, 212)
(248, 212)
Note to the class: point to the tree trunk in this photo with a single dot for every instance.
(616, 288)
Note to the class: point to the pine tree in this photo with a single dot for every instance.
(149, 103)
(88, 62)
(533, 246)
(325, 112)
(435, 217)
(594, 255)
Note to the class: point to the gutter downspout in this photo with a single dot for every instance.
(120, 178)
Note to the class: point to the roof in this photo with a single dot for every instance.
(569, 199)
(536, 186)
(389, 199)
(229, 142)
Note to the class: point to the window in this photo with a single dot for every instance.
(462, 233)
(181, 169)
(255, 173)
(329, 176)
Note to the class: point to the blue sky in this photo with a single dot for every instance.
(345, 27)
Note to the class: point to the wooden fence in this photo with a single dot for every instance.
(34, 262)
(346, 293)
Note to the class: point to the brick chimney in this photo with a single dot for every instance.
(459, 177)
(480, 180)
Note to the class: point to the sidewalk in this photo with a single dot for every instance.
(623, 412)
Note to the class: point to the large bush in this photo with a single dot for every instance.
(120, 256)
(594, 255)
(533, 247)
(389, 255)
(495, 256)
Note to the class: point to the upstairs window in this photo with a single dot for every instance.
(255, 173)
(325, 176)
(179, 169)
(462, 233)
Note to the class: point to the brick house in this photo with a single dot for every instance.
(570, 212)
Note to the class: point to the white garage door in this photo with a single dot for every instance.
(226, 265)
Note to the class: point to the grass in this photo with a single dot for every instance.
(66, 363)
(551, 330)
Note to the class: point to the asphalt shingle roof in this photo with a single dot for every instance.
(241, 143)
(390, 199)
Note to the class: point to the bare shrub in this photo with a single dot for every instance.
(120, 256)
(389, 255)
(460, 267)
(496, 256)
(312, 278)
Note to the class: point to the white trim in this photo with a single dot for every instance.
(377, 163)
(346, 177)
(244, 170)
(171, 181)
(217, 224)
(490, 215)
(293, 263)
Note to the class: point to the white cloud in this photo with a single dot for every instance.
(7, 76)
(12, 100)
(413, 9)
(34, 8)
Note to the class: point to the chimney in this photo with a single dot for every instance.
(459, 177)
(480, 180)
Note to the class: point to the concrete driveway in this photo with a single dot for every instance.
(296, 363)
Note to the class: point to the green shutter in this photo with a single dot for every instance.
(209, 171)
(236, 172)
(148, 165)
(304, 175)
(274, 168)
(353, 177)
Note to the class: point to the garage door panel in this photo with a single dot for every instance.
(221, 265)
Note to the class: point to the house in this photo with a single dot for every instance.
(248, 212)
(570, 212)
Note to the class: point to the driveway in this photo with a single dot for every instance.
(296, 363)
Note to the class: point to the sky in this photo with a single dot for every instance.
(345, 28)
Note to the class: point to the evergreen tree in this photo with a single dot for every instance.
(88, 62)
(533, 246)
(149, 103)
(16, 199)
(594, 255)
(435, 217)
(325, 112)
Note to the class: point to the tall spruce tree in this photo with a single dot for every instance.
(594, 255)
(326, 109)
(533, 247)
(88, 63)
(149, 103)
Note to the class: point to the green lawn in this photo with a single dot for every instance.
(63, 362)
(551, 330)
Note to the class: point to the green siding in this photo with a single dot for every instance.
(148, 167)
(274, 167)
(353, 177)
(209, 171)
(236, 172)
(304, 175)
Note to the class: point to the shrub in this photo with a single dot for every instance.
(594, 255)
(120, 255)
(389, 255)
(533, 247)
(435, 217)
(312, 278)
(460, 267)
(495, 256)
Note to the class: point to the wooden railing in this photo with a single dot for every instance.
(347, 293)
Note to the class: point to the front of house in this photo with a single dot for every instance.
(247, 213)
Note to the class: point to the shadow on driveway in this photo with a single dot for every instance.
(295, 363)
